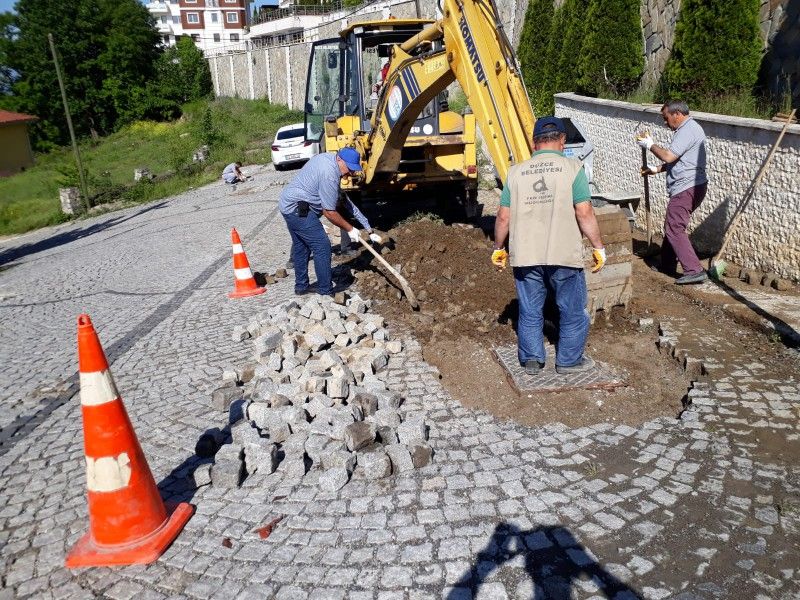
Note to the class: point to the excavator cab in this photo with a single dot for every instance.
(346, 81)
(346, 77)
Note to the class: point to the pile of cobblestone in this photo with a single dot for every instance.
(316, 398)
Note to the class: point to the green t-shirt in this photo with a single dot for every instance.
(580, 187)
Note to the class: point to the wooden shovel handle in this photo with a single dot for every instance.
(751, 190)
(412, 299)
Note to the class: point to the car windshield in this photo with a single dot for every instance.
(291, 133)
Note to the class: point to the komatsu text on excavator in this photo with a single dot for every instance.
(397, 115)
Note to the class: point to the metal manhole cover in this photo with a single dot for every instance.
(602, 376)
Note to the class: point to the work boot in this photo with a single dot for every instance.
(692, 278)
(533, 367)
(585, 364)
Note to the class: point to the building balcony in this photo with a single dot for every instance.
(157, 8)
(266, 14)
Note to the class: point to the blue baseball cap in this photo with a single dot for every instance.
(351, 158)
(546, 125)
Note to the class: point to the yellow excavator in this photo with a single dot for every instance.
(380, 87)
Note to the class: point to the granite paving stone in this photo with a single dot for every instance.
(696, 507)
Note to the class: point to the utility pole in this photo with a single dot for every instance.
(416, 5)
(84, 188)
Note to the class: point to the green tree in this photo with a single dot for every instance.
(107, 49)
(182, 75)
(717, 49)
(532, 51)
(573, 30)
(547, 86)
(7, 35)
(612, 55)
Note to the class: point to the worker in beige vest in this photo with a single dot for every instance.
(544, 210)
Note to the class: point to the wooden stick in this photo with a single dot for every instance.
(647, 199)
(412, 299)
(751, 190)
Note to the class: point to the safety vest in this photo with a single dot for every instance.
(543, 228)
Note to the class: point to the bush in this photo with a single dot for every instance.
(717, 49)
(573, 31)
(612, 55)
(533, 43)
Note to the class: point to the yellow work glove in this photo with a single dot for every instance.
(599, 256)
(500, 258)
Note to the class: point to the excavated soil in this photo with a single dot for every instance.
(467, 307)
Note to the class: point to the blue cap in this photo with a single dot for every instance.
(351, 158)
(547, 125)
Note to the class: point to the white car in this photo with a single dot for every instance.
(290, 146)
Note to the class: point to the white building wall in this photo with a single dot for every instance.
(168, 22)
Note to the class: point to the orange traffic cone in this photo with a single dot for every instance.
(244, 284)
(128, 522)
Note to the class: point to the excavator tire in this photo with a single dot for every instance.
(613, 284)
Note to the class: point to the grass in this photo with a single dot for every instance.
(234, 129)
(738, 104)
(591, 469)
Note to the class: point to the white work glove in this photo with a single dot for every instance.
(374, 237)
(354, 234)
(648, 171)
(645, 140)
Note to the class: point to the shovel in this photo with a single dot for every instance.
(412, 299)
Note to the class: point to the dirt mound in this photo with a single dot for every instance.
(460, 292)
(467, 307)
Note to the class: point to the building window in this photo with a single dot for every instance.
(231, 1)
(234, 37)
(191, 1)
(216, 37)
(232, 17)
(176, 20)
(214, 17)
(195, 37)
(166, 40)
(192, 17)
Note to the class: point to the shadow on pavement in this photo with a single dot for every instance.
(180, 485)
(66, 237)
(789, 335)
(554, 560)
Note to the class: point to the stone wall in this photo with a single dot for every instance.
(768, 234)
(780, 30)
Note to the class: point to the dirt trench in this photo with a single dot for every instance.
(468, 307)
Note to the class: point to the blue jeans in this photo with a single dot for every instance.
(309, 236)
(569, 287)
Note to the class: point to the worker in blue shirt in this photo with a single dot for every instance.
(312, 193)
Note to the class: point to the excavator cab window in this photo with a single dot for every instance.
(324, 86)
(373, 50)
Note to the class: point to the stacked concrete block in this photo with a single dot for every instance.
(317, 399)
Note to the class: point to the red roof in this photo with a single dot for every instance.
(12, 117)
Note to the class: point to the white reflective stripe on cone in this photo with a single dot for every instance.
(108, 473)
(97, 388)
(243, 273)
(237, 249)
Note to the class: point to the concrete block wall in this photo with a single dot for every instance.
(768, 235)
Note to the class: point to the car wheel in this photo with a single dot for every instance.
(278, 167)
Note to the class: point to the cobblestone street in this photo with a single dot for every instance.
(706, 505)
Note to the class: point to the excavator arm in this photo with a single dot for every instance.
(478, 55)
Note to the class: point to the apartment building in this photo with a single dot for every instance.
(212, 24)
